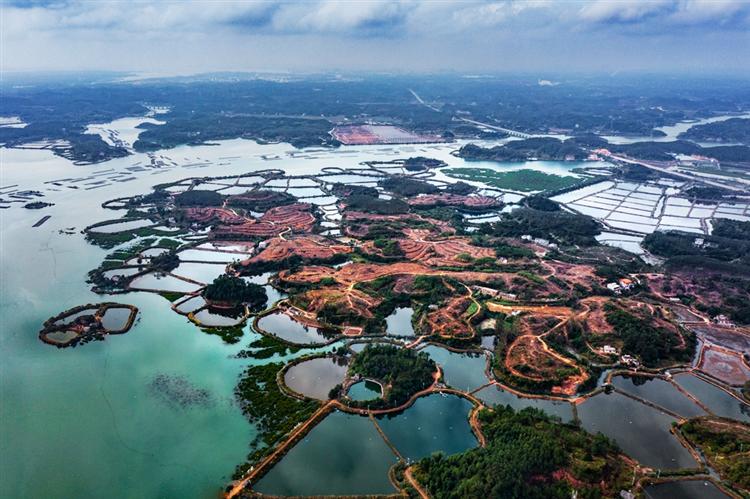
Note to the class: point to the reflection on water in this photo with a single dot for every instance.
(316, 377)
(660, 392)
(343, 455)
(116, 318)
(494, 395)
(288, 329)
(462, 371)
(399, 322)
(717, 400)
(641, 431)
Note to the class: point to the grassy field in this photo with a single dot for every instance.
(517, 180)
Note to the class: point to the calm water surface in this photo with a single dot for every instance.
(434, 423)
(641, 431)
(343, 455)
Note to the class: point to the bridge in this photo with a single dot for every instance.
(668, 171)
(508, 131)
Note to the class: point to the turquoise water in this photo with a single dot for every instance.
(343, 455)
(364, 390)
(436, 423)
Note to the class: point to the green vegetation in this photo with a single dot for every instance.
(345, 190)
(729, 243)
(525, 453)
(165, 262)
(266, 347)
(261, 200)
(371, 204)
(541, 203)
(236, 290)
(731, 130)
(725, 444)
(544, 148)
(421, 163)
(197, 197)
(516, 180)
(402, 371)
(561, 227)
(406, 186)
(268, 408)
(652, 345)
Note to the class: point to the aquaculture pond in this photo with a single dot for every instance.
(399, 322)
(684, 489)
(660, 392)
(116, 318)
(434, 423)
(72, 317)
(201, 272)
(494, 395)
(211, 317)
(121, 226)
(190, 304)
(364, 390)
(286, 328)
(273, 294)
(641, 431)
(716, 399)
(343, 455)
(197, 255)
(126, 272)
(316, 377)
(156, 281)
(463, 371)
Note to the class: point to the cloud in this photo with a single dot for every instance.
(408, 34)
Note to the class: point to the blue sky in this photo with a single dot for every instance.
(173, 37)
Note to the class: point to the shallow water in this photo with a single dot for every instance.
(641, 431)
(316, 377)
(343, 455)
(434, 423)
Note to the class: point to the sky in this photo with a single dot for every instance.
(171, 37)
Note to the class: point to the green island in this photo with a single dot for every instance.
(528, 454)
(724, 444)
(516, 180)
